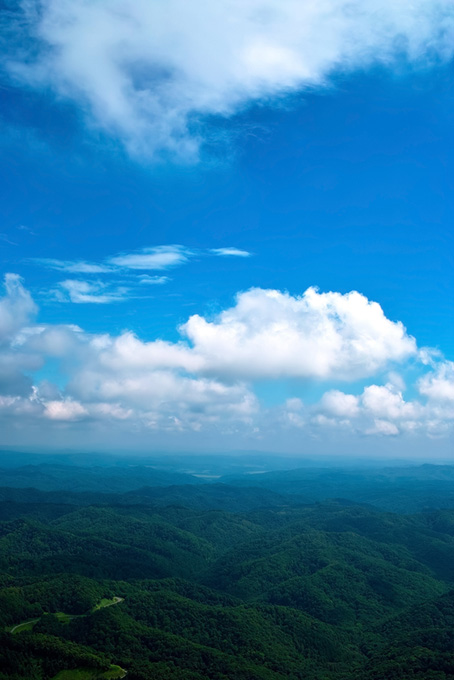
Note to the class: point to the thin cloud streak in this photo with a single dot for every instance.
(146, 280)
(230, 252)
(156, 258)
(83, 292)
(74, 267)
(131, 265)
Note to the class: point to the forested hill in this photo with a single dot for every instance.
(226, 581)
(399, 489)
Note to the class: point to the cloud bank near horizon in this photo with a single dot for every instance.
(151, 74)
(205, 383)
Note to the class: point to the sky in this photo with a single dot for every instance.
(227, 226)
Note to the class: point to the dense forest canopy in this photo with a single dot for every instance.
(189, 579)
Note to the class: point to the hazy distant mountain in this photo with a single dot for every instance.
(49, 477)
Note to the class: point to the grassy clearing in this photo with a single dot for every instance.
(65, 618)
(91, 674)
(26, 625)
(107, 603)
(77, 674)
(113, 672)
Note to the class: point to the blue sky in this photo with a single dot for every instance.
(215, 243)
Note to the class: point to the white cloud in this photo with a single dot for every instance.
(174, 387)
(158, 381)
(148, 72)
(382, 409)
(293, 413)
(64, 409)
(338, 403)
(159, 257)
(56, 341)
(230, 252)
(317, 335)
(82, 292)
(114, 411)
(146, 280)
(74, 267)
(16, 307)
(397, 381)
(127, 352)
(128, 265)
(384, 402)
(322, 421)
(166, 393)
(439, 385)
(383, 427)
(156, 257)
(17, 310)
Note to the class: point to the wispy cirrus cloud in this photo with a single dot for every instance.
(132, 266)
(230, 252)
(83, 292)
(74, 267)
(6, 239)
(147, 73)
(155, 258)
(146, 280)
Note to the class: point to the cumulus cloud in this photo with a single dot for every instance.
(386, 402)
(293, 413)
(16, 307)
(338, 403)
(439, 385)
(127, 352)
(123, 379)
(383, 410)
(158, 380)
(160, 394)
(15, 368)
(205, 382)
(64, 409)
(17, 310)
(55, 341)
(270, 334)
(383, 427)
(150, 72)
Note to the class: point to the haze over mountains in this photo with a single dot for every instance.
(223, 480)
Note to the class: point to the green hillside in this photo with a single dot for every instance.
(324, 591)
